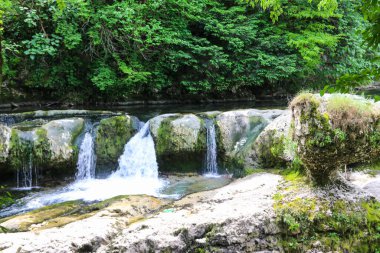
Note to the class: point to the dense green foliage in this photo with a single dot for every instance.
(83, 50)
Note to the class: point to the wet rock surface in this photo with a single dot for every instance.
(85, 232)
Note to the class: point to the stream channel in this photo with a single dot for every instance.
(137, 171)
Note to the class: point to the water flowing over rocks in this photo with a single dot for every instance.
(49, 146)
(182, 137)
(32, 140)
(261, 212)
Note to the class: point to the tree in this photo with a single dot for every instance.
(4, 8)
(89, 50)
(371, 12)
(371, 34)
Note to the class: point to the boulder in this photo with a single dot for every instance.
(238, 129)
(155, 123)
(273, 147)
(61, 135)
(48, 147)
(333, 131)
(180, 141)
(112, 135)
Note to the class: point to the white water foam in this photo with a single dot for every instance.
(139, 157)
(86, 159)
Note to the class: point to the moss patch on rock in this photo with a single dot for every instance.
(112, 135)
(57, 215)
(326, 219)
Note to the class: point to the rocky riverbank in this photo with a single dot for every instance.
(319, 194)
(262, 212)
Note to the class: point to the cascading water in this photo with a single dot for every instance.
(27, 173)
(137, 174)
(139, 156)
(211, 156)
(86, 159)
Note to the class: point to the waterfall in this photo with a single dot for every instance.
(211, 157)
(139, 156)
(86, 159)
(25, 174)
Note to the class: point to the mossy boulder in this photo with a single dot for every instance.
(50, 148)
(112, 135)
(236, 132)
(61, 135)
(273, 147)
(180, 141)
(333, 131)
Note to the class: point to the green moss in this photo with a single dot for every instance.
(374, 138)
(343, 102)
(20, 150)
(307, 99)
(164, 137)
(250, 171)
(277, 149)
(333, 132)
(112, 135)
(339, 225)
(292, 175)
(41, 147)
(76, 132)
(41, 215)
(202, 137)
(351, 113)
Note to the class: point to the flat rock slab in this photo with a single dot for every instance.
(240, 208)
(82, 235)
